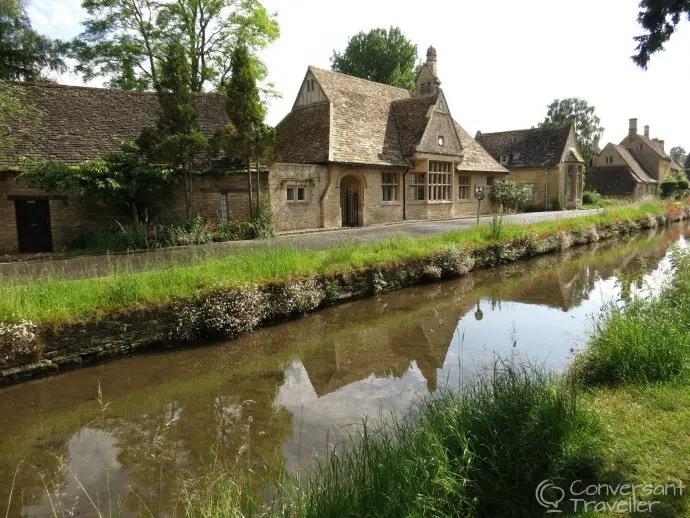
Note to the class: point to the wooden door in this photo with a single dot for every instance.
(33, 226)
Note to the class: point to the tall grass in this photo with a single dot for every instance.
(646, 340)
(54, 299)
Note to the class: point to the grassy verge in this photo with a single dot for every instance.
(621, 416)
(52, 299)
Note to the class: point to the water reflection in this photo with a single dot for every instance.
(283, 392)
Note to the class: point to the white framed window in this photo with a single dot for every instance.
(464, 187)
(224, 216)
(389, 186)
(440, 180)
(504, 159)
(532, 192)
(417, 186)
(296, 193)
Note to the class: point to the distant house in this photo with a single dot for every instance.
(633, 168)
(615, 172)
(75, 124)
(354, 153)
(548, 159)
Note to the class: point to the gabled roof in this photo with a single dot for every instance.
(73, 124)
(651, 144)
(612, 180)
(365, 122)
(475, 157)
(528, 148)
(635, 168)
(676, 165)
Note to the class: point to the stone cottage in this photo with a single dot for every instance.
(633, 168)
(74, 124)
(547, 159)
(355, 153)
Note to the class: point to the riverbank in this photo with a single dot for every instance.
(51, 324)
(486, 451)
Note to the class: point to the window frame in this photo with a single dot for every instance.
(416, 186)
(224, 208)
(296, 188)
(465, 186)
(390, 188)
(440, 182)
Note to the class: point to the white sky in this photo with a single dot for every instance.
(501, 62)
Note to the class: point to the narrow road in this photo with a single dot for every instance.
(98, 265)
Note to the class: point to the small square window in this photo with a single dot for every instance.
(504, 159)
(291, 194)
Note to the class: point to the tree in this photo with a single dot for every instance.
(247, 138)
(24, 54)
(687, 163)
(124, 39)
(510, 193)
(587, 123)
(379, 55)
(176, 139)
(659, 18)
(677, 153)
(121, 178)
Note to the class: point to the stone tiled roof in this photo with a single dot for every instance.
(635, 168)
(528, 148)
(676, 165)
(475, 157)
(364, 122)
(612, 180)
(411, 117)
(74, 124)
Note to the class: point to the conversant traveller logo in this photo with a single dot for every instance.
(620, 498)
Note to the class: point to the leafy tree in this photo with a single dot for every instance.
(659, 18)
(383, 56)
(124, 39)
(121, 178)
(24, 54)
(247, 139)
(587, 124)
(176, 139)
(677, 153)
(686, 165)
(11, 107)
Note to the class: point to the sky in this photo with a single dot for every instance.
(501, 62)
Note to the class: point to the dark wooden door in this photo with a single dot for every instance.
(350, 205)
(33, 226)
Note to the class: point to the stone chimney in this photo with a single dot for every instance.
(632, 128)
(431, 59)
(646, 131)
(662, 143)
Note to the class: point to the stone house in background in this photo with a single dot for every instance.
(548, 159)
(633, 168)
(75, 124)
(355, 153)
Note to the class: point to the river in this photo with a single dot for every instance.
(286, 391)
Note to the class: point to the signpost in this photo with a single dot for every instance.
(479, 196)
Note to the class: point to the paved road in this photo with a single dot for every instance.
(92, 266)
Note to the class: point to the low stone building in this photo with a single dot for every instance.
(615, 172)
(74, 124)
(548, 159)
(355, 153)
(633, 168)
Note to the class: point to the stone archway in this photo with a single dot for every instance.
(351, 201)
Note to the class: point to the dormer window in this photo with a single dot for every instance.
(516, 156)
(440, 140)
(504, 159)
(638, 147)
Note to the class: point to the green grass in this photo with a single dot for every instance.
(55, 299)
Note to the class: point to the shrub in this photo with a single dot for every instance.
(509, 193)
(555, 204)
(294, 297)
(332, 289)
(18, 341)
(669, 186)
(454, 261)
(263, 222)
(533, 207)
(590, 197)
(683, 184)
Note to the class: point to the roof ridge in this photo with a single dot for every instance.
(312, 67)
(552, 127)
(62, 86)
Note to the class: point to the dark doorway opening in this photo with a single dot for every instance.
(33, 226)
(349, 202)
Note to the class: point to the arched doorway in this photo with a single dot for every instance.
(350, 201)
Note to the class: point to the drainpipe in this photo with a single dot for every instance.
(404, 194)
(546, 189)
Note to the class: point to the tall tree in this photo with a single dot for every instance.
(247, 139)
(677, 153)
(659, 18)
(24, 54)
(124, 39)
(383, 56)
(686, 165)
(587, 124)
(176, 140)
(11, 107)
